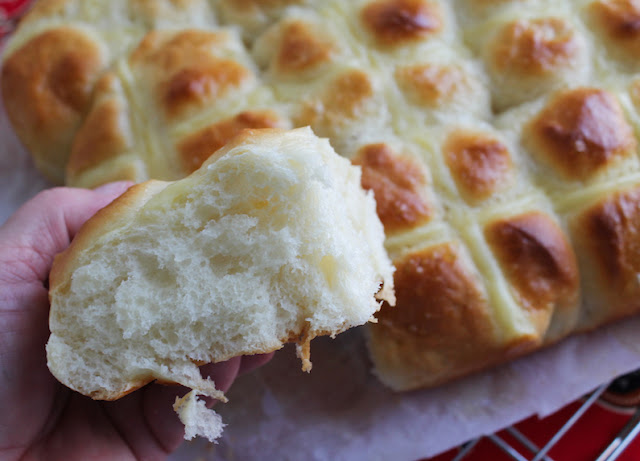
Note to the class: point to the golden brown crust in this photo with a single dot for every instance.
(608, 234)
(405, 362)
(61, 61)
(188, 72)
(534, 47)
(432, 85)
(348, 92)
(620, 22)
(479, 163)
(194, 87)
(438, 297)
(198, 147)
(102, 135)
(340, 103)
(442, 325)
(301, 49)
(398, 184)
(46, 87)
(580, 132)
(538, 262)
(398, 22)
(99, 139)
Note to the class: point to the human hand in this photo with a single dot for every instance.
(39, 417)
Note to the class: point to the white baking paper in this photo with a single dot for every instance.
(339, 411)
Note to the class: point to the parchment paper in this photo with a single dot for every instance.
(340, 412)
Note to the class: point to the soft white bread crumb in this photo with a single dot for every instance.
(271, 240)
(198, 420)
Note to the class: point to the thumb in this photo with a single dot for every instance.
(45, 225)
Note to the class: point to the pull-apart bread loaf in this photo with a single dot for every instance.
(498, 136)
(272, 240)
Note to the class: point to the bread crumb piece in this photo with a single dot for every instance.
(198, 420)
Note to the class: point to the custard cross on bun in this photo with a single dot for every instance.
(272, 240)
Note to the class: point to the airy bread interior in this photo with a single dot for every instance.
(271, 240)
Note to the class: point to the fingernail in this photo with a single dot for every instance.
(113, 188)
